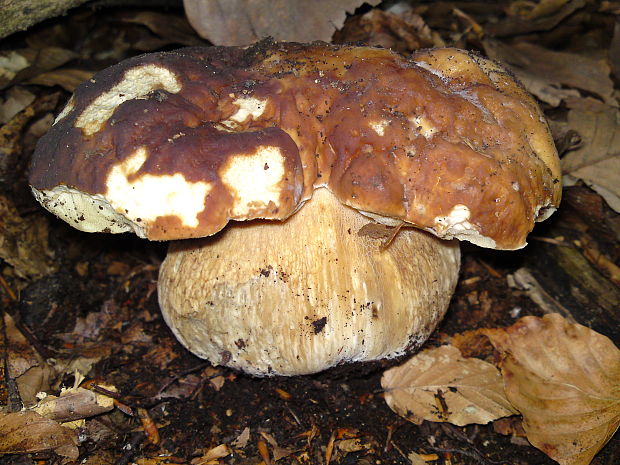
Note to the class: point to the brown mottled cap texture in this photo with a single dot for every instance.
(174, 145)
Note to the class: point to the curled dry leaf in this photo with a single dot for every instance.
(29, 432)
(565, 380)
(440, 385)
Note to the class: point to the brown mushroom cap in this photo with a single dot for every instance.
(174, 145)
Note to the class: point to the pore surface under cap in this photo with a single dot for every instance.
(174, 145)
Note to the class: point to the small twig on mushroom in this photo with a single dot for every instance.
(395, 231)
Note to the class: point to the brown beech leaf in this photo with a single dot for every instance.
(29, 432)
(440, 385)
(538, 16)
(545, 72)
(597, 160)
(240, 22)
(565, 380)
(23, 64)
(67, 78)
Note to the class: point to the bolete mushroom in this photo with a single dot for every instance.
(324, 139)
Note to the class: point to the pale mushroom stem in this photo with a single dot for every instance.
(306, 294)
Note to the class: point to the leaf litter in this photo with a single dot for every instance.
(561, 377)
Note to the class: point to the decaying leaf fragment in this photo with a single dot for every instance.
(29, 432)
(565, 380)
(25, 365)
(441, 385)
(23, 242)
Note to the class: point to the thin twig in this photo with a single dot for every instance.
(400, 451)
(475, 454)
(8, 289)
(181, 375)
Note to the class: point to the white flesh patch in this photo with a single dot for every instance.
(249, 107)
(88, 213)
(456, 225)
(424, 126)
(379, 126)
(137, 83)
(254, 179)
(544, 211)
(150, 196)
(429, 68)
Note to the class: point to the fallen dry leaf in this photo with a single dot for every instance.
(241, 22)
(545, 72)
(415, 459)
(67, 78)
(533, 16)
(597, 159)
(277, 451)
(16, 98)
(212, 455)
(174, 29)
(440, 385)
(242, 439)
(23, 64)
(565, 380)
(13, 139)
(29, 432)
(403, 31)
(25, 365)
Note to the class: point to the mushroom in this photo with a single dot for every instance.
(360, 154)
